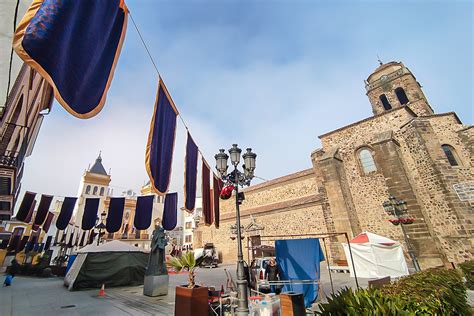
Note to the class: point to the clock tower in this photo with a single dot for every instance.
(392, 85)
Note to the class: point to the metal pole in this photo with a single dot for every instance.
(327, 261)
(243, 306)
(352, 260)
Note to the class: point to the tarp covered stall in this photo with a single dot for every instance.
(375, 257)
(299, 260)
(114, 263)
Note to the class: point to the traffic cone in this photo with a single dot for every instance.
(102, 291)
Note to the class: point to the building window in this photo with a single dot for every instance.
(188, 225)
(88, 189)
(367, 161)
(95, 191)
(188, 238)
(385, 103)
(101, 191)
(450, 154)
(401, 95)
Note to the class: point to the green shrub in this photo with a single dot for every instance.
(467, 269)
(430, 292)
(438, 291)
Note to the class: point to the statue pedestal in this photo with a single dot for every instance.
(156, 285)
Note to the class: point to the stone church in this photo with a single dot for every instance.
(404, 149)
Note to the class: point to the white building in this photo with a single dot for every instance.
(190, 221)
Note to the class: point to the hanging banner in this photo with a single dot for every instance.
(90, 213)
(206, 194)
(70, 242)
(66, 212)
(25, 206)
(47, 222)
(92, 235)
(47, 245)
(22, 244)
(30, 213)
(14, 243)
(161, 138)
(115, 214)
(216, 190)
(82, 243)
(170, 211)
(43, 208)
(190, 174)
(143, 212)
(75, 46)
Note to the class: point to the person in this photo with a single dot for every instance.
(272, 273)
(12, 271)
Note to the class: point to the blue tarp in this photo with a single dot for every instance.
(299, 260)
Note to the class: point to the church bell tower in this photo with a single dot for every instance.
(392, 85)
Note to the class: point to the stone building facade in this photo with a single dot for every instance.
(404, 150)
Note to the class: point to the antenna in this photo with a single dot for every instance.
(380, 61)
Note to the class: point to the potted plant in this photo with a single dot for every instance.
(190, 298)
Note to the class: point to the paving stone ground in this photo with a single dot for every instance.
(47, 296)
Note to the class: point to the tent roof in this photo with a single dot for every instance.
(372, 238)
(111, 246)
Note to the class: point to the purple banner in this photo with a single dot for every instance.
(170, 211)
(89, 217)
(190, 174)
(115, 214)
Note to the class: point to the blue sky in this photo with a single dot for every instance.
(271, 75)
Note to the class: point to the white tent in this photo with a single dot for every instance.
(375, 256)
(113, 263)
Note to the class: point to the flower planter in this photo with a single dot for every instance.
(191, 302)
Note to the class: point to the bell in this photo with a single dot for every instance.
(226, 192)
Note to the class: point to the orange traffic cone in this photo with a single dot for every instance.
(102, 291)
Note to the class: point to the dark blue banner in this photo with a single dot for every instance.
(90, 213)
(115, 214)
(75, 46)
(22, 244)
(47, 245)
(159, 150)
(190, 174)
(25, 206)
(66, 212)
(47, 222)
(170, 211)
(43, 209)
(143, 212)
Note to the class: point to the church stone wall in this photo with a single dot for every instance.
(288, 205)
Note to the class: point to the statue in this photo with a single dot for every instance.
(156, 260)
(156, 275)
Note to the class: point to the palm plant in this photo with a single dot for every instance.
(186, 262)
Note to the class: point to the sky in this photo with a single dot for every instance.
(270, 75)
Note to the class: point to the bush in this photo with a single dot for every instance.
(430, 292)
(467, 269)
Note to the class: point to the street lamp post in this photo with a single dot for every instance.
(236, 179)
(398, 208)
(101, 226)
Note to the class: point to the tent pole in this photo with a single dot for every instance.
(352, 260)
(327, 261)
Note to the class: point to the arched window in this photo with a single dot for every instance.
(95, 191)
(88, 189)
(101, 191)
(401, 95)
(450, 154)
(385, 103)
(367, 161)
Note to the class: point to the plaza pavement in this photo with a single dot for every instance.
(47, 296)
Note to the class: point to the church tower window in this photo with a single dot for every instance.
(450, 155)
(88, 189)
(94, 192)
(101, 191)
(367, 161)
(385, 103)
(401, 95)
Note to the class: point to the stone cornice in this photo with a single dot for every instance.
(296, 175)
